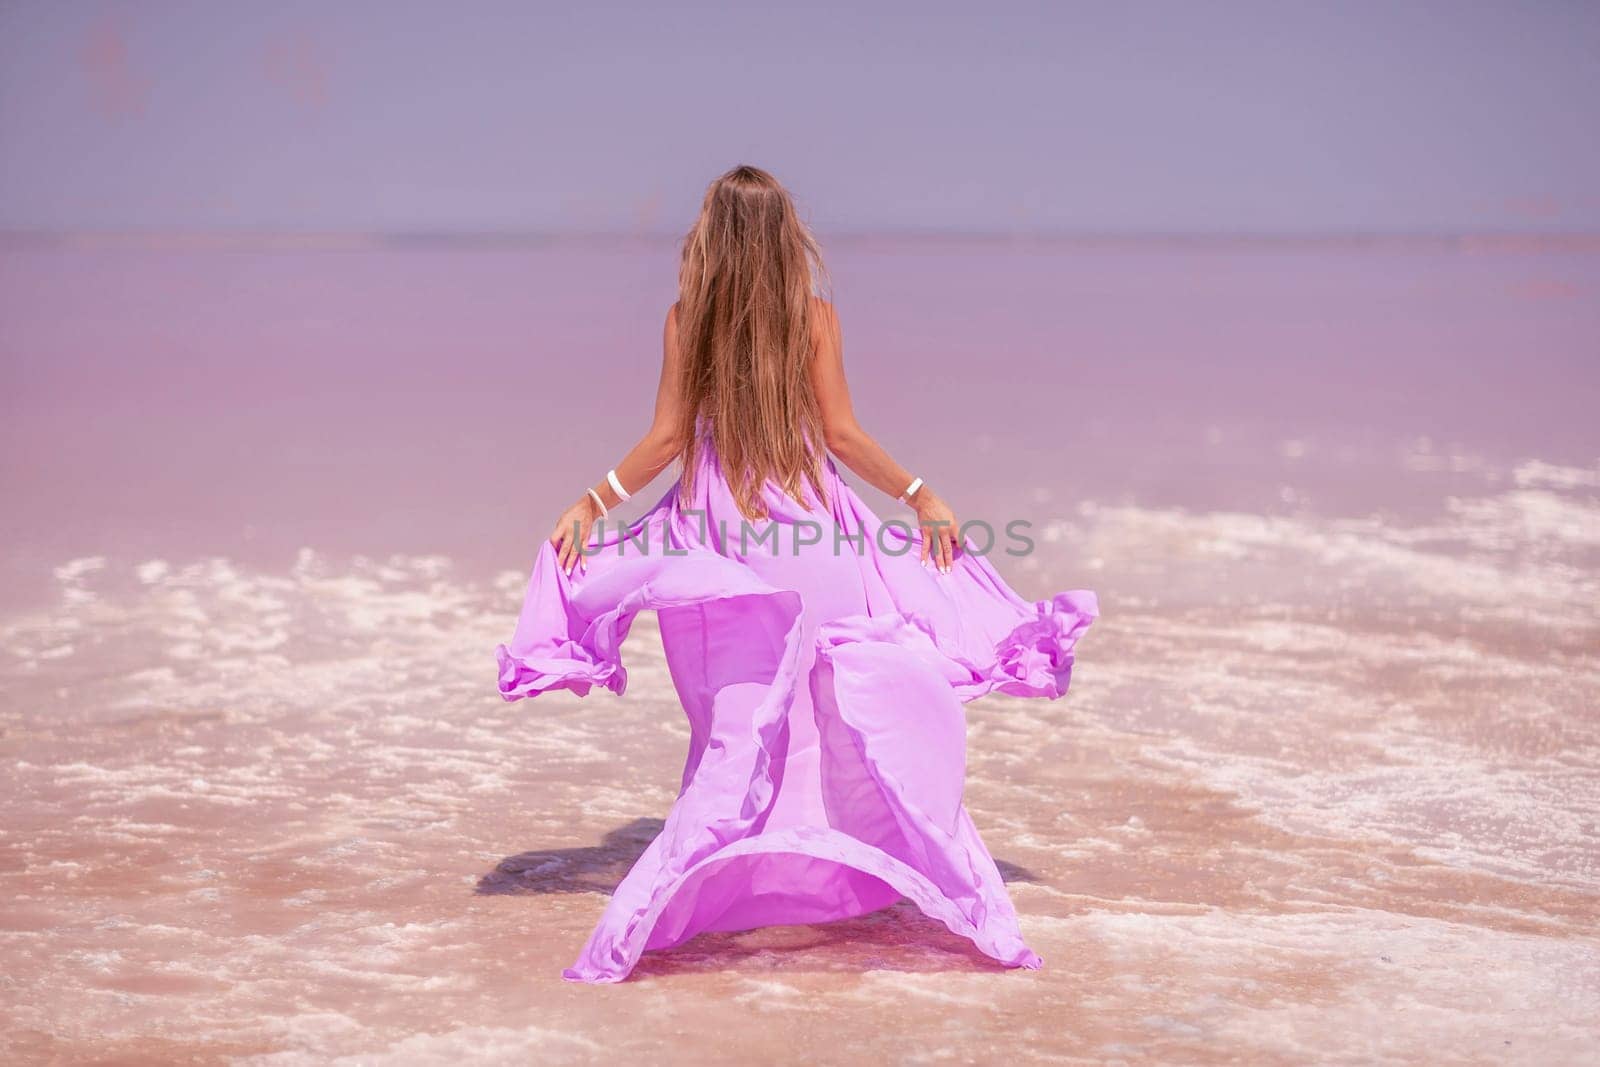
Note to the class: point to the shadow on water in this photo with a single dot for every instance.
(593, 869)
(1010, 872)
(598, 868)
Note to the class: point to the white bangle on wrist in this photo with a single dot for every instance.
(601, 504)
(911, 490)
(616, 486)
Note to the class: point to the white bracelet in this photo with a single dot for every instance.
(601, 504)
(911, 490)
(616, 486)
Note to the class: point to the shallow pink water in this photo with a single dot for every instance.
(1326, 788)
(442, 399)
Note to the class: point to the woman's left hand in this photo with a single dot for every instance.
(572, 533)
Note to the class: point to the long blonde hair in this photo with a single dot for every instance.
(746, 322)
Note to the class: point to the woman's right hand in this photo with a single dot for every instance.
(572, 532)
(939, 528)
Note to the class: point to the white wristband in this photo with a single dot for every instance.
(601, 504)
(616, 486)
(911, 490)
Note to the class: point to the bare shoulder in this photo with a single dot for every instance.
(671, 357)
(824, 323)
(669, 333)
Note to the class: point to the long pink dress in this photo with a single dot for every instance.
(824, 687)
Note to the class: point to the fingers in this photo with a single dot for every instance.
(569, 539)
(560, 539)
(567, 549)
(939, 545)
(572, 555)
(564, 556)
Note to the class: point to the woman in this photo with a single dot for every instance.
(822, 656)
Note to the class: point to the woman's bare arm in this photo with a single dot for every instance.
(654, 451)
(856, 449)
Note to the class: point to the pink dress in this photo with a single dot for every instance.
(824, 684)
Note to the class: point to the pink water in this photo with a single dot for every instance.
(431, 399)
(1326, 786)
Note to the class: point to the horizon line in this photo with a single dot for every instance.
(337, 238)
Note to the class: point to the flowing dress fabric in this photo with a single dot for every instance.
(823, 669)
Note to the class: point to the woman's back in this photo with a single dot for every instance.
(821, 656)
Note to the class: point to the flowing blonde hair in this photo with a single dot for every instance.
(746, 317)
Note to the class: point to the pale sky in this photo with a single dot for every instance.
(1225, 116)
